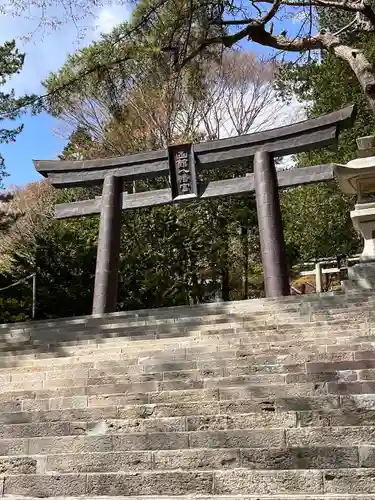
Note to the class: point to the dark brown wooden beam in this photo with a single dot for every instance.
(308, 134)
(304, 142)
(215, 189)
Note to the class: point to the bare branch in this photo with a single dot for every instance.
(350, 6)
(271, 13)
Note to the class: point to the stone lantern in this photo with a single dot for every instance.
(357, 177)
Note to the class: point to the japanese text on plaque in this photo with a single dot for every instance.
(183, 172)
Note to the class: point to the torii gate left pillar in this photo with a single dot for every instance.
(108, 257)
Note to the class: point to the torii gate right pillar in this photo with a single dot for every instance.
(108, 258)
(272, 244)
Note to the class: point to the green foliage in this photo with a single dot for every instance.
(11, 108)
(13, 310)
(317, 222)
(316, 218)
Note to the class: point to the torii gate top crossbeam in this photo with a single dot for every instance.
(282, 141)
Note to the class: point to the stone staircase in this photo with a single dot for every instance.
(260, 399)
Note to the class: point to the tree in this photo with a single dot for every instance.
(268, 26)
(317, 218)
(11, 107)
(191, 32)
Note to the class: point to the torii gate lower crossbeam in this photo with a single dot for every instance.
(181, 162)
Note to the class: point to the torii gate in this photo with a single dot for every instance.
(181, 162)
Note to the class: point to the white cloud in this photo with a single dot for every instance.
(107, 19)
(47, 52)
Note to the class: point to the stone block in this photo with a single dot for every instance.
(142, 425)
(11, 406)
(45, 486)
(35, 405)
(248, 421)
(119, 388)
(152, 441)
(246, 369)
(70, 444)
(61, 392)
(62, 403)
(330, 436)
(367, 374)
(75, 373)
(339, 418)
(366, 456)
(358, 401)
(180, 385)
(199, 459)
(247, 406)
(272, 391)
(351, 387)
(364, 355)
(32, 377)
(259, 438)
(59, 383)
(34, 429)
(102, 401)
(244, 482)
(150, 483)
(299, 458)
(99, 462)
(297, 378)
(350, 481)
(169, 367)
(13, 447)
(184, 396)
(21, 465)
(261, 379)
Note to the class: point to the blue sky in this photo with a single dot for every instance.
(44, 54)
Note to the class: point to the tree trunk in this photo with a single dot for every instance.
(245, 252)
(225, 284)
(360, 65)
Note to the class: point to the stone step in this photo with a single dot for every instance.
(135, 408)
(189, 379)
(197, 459)
(224, 333)
(12, 412)
(136, 366)
(262, 437)
(195, 353)
(119, 394)
(330, 362)
(146, 392)
(216, 482)
(133, 330)
(297, 496)
(61, 345)
(90, 422)
(116, 345)
(194, 459)
(292, 303)
(161, 424)
(186, 417)
(260, 385)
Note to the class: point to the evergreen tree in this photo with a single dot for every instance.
(11, 107)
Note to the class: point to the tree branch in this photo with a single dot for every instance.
(271, 13)
(349, 6)
(260, 21)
